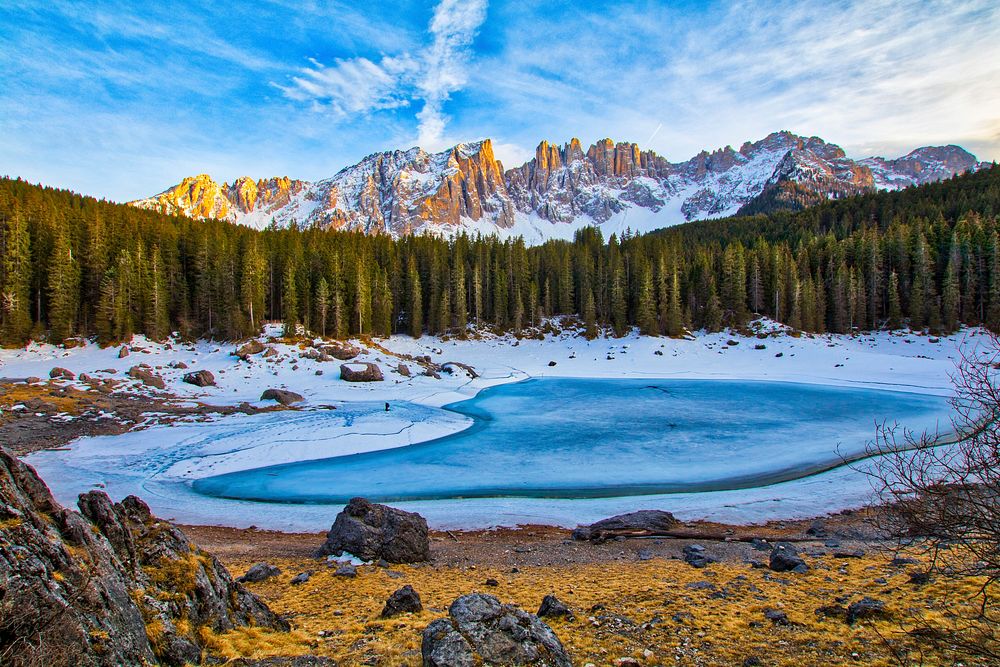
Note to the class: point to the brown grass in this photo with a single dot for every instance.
(668, 623)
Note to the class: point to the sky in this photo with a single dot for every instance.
(122, 99)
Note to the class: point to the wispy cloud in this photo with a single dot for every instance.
(453, 28)
(362, 86)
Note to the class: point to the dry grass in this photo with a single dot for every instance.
(649, 612)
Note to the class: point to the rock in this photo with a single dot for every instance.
(124, 352)
(259, 572)
(58, 373)
(552, 606)
(643, 522)
(491, 582)
(864, 608)
(284, 661)
(403, 601)
(147, 377)
(300, 578)
(552, 363)
(832, 611)
(404, 370)
(342, 351)
(919, 578)
(785, 558)
(776, 616)
(282, 396)
(269, 352)
(695, 556)
(248, 349)
(361, 372)
(482, 631)
(857, 553)
(371, 531)
(120, 571)
(200, 378)
(346, 570)
(817, 528)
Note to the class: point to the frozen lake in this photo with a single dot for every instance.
(566, 438)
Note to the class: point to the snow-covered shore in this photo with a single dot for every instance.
(160, 462)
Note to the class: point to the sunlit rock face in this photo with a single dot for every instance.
(466, 188)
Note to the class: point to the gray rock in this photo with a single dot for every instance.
(346, 570)
(371, 531)
(361, 372)
(864, 608)
(553, 606)
(147, 377)
(482, 631)
(282, 396)
(300, 578)
(90, 615)
(248, 349)
(403, 601)
(643, 522)
(58, 373)
(785, 558)
(259, 572)
(200, 378)
(776, 616)
(284, 661)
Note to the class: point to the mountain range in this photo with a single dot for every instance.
(617, 186)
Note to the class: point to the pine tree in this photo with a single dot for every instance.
(252, 284)
(460, 311)
(589, 315)
(712, 319)
(675, 321)
(322, 305)
(646, 304)
(15, 276)
(63, 288)
(290, 301)
(895, 319)
(157, 319)
(951, 297)
(414, 300)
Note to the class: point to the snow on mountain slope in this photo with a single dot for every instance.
(615, 186)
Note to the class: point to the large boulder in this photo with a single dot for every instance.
(361, 372)
(480, 630)
(146, 376)
(248, 349)
(200, 378)
(403, 601)
(108, 585)
(785, 558)
(633, 524)
(371, 532)
(59, 373)
(341, 351)
(282, 396)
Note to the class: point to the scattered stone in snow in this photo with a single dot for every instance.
(282, 396)
(124, 352)
(200, 378)
(62, 374)
(361, 372)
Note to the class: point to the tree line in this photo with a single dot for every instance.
(926, 257)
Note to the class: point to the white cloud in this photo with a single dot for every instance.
(453, 28)
(355, 85)
(361, 86)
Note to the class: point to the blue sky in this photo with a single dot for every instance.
(122, 99)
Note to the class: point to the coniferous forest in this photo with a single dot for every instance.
(927, 258)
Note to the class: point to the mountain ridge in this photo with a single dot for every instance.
(615, 185)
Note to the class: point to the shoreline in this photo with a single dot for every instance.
(914, 363)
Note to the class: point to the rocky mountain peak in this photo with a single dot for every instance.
(615, 184)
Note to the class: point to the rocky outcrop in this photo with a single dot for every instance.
(282, 396)
(371, 532)
(402, 192)
(108, 585)
(361, 372)
(480, 630)
(643, 522)
(146, 376)
(200, 378)
(403, 601)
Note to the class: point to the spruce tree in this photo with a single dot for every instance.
(63, 288)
